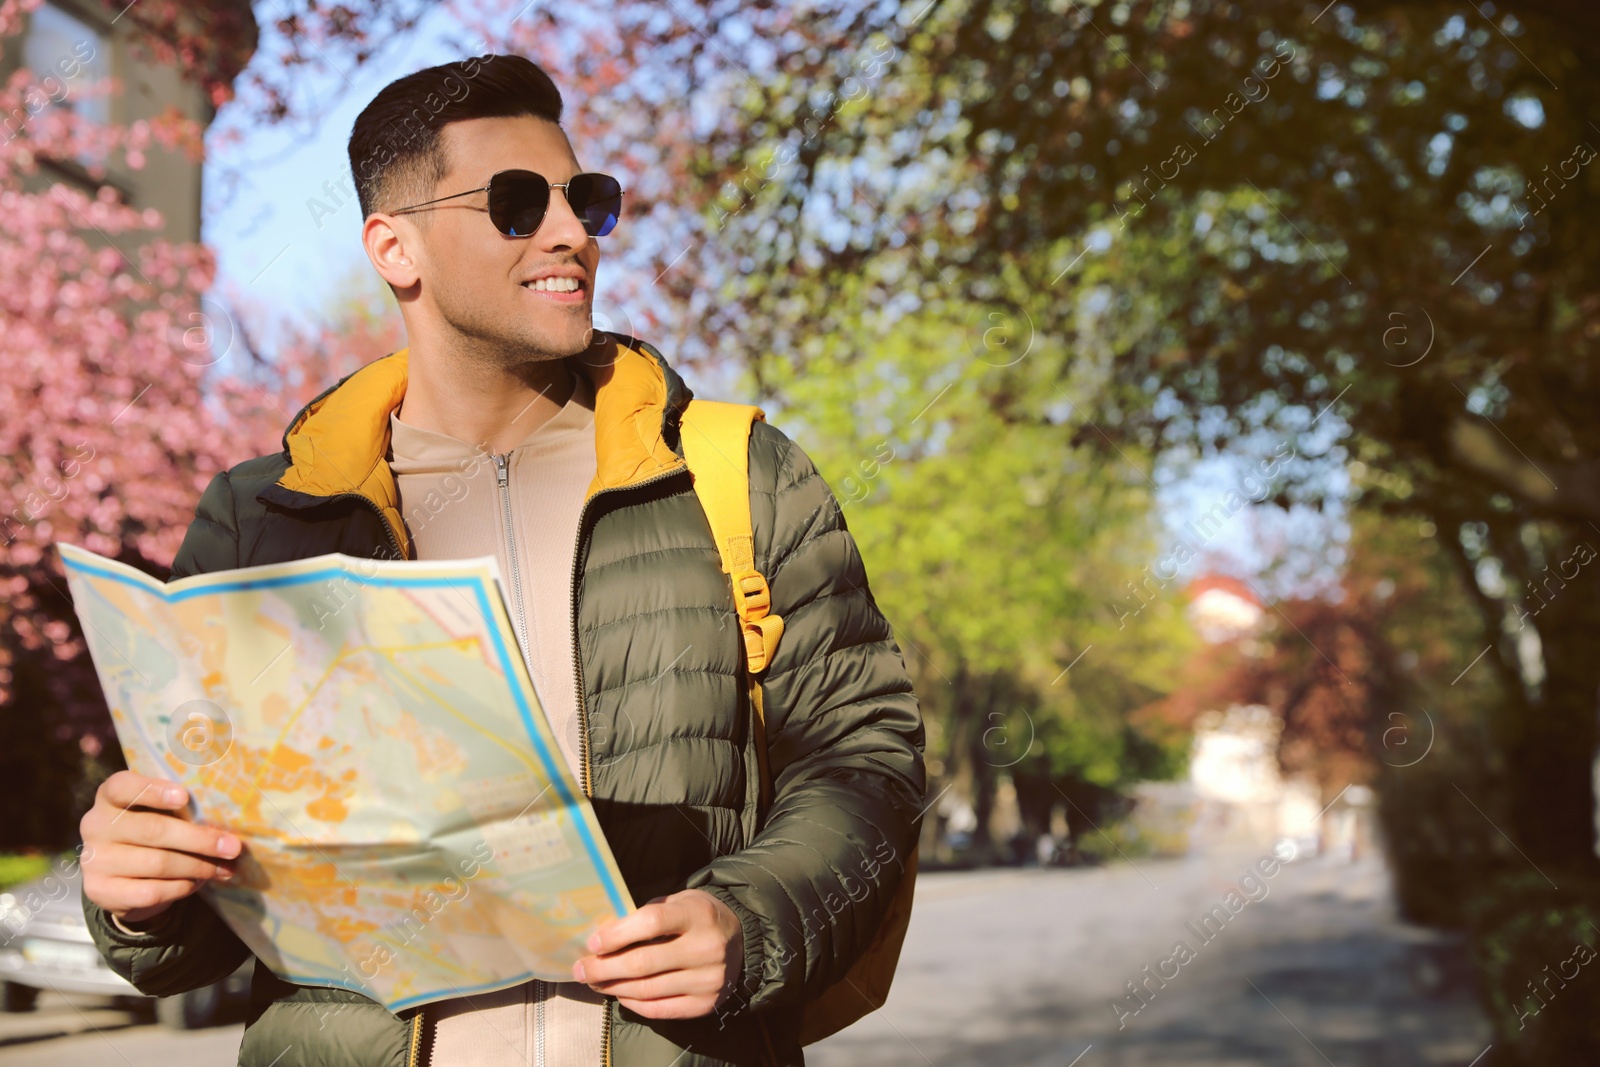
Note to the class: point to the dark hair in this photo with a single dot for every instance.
(396, 155)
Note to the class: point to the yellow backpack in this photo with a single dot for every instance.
(716, 445)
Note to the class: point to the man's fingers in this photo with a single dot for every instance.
(640, 961)
(142, 852)
(133, 861)
(670, 1007)
(158, 830)
(649, 922)
(701, 981)
(126, 789)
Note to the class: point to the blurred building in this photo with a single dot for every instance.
(1223, 608)
(1241, 797)
(82, 44)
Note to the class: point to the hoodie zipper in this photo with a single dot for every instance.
(502, 472)
(539, 993)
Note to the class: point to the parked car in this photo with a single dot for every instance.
(45, 944)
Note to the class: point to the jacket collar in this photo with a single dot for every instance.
(337, 444)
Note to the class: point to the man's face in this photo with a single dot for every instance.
(472, 275)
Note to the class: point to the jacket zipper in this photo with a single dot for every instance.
(414, 1049)
(413, 1055)
(382, 520)
(587, 784)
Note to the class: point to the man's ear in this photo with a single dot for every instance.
(386, 238)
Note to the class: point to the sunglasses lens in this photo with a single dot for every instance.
(517, 202)
(597, 200)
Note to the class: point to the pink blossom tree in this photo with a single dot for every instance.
(105, 439)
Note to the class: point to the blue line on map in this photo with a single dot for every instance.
(544, 755)
(406, 1002)
(479, 588)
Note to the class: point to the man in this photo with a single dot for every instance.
(511, 426)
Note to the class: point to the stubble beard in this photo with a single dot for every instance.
(486, 338)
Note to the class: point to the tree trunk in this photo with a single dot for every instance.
(1547, 739)
(1550, 759)
(980, 695)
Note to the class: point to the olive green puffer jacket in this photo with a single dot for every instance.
(664, 721)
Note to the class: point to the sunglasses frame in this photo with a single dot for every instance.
(520, 171)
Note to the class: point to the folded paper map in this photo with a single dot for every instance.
(369, 730)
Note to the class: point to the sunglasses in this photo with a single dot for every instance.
(519, 199)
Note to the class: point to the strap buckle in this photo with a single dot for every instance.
(752, 598)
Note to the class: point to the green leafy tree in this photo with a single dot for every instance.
(996, 545)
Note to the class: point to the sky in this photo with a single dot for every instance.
(278, 204)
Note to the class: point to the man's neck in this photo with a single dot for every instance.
(494, 407)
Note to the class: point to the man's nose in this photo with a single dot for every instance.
(562, 227)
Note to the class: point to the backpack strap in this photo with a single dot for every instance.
(716, 444)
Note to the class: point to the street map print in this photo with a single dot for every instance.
(369, 730)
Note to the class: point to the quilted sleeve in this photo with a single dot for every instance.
(845, 741)
(191, 948)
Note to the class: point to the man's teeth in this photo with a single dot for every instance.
(554, 285)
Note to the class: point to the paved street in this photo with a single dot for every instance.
(1019, 967)
(133, 1046)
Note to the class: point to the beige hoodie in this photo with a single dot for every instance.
(522, 508)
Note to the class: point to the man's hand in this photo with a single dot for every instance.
(674, 958)
(141, 854)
